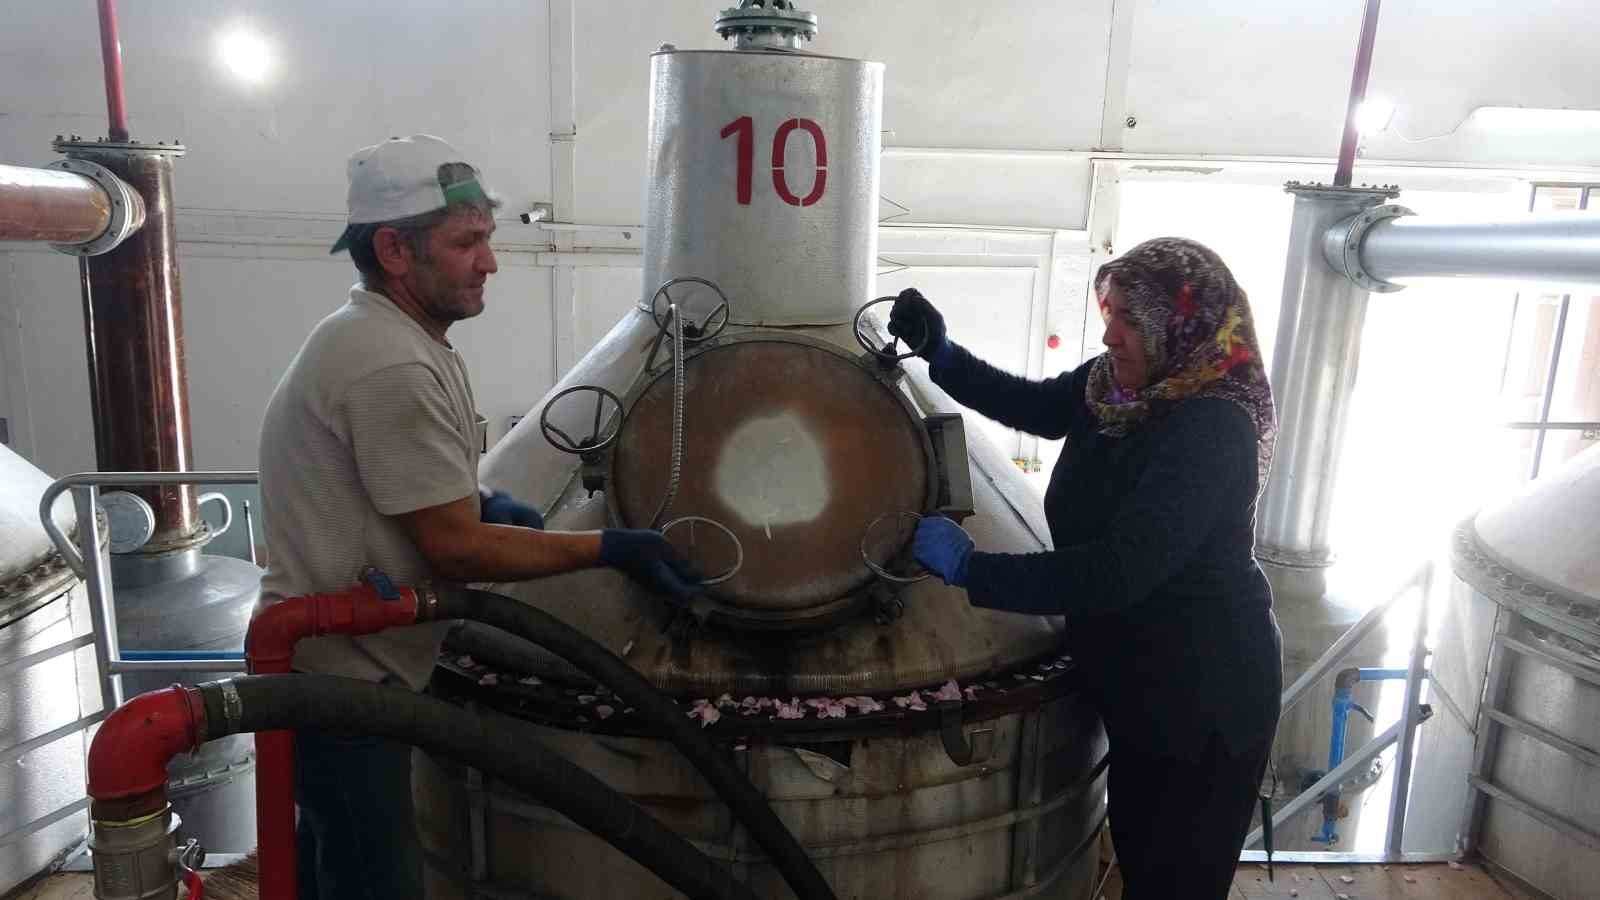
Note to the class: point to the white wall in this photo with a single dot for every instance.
(995, 111)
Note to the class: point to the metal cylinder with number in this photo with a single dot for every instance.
(763, 177)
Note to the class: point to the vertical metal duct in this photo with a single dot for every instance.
(133, 319)
(1313, 373)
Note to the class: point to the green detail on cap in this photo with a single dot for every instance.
(469, 191)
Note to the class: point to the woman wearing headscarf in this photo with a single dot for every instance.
(1151, 509)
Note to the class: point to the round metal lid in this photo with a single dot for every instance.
(131, 520)
(1549, 532)
(794, 447)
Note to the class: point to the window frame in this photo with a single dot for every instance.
(1543, 425)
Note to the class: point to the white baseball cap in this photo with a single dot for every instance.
(405, 177)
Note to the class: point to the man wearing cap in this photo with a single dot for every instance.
(369, 459)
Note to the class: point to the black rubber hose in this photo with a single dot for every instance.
(749, 807)
(501, 746)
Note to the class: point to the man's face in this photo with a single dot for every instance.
(448, 279)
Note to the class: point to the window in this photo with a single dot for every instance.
(1550, 386)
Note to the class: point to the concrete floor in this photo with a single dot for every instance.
(1431, 882)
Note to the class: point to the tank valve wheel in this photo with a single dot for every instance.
(596, 441)
(692, 333)
(738, 548)
(886, 353)
(866, 541)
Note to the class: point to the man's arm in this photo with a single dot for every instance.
(459, 547)
(415, 466)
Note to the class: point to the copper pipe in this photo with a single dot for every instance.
(1358, 95)
(51, 205)
(133, 316)
(111, 57)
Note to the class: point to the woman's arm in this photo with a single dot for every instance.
(1205, 464)
(1044, 408)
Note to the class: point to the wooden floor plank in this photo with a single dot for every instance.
(61, 887)
(1447, 882)
(1301, 882)
(1421, 882)
(1511, 886)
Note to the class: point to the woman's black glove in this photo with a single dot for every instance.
(914, 320)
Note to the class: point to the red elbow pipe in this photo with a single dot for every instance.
(129, 755)
(269, 648)
(269, 645)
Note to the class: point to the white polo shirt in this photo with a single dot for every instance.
(374, 418)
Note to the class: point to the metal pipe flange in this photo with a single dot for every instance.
(767, 24)
(1341, 246)
(127, 207)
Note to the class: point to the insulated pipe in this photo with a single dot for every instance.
(1358, 94)
(269, 647)
(1313, 374)
(128, 758)
(749, 807)
(1561, 247)
(111, 60)
(51, 205)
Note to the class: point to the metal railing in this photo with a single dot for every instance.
(1413, 713)
(112, 662)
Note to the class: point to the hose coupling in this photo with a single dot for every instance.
(136, 859)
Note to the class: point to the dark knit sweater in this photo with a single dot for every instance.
(1166, 611)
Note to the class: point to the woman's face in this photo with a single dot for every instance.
(1123, 342)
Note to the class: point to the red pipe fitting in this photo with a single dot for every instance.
(274, 631)
(128, 757)
(269, 648)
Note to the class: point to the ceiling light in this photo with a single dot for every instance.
(1373, 116)
(247, 55)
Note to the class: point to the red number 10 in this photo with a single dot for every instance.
(745, 151)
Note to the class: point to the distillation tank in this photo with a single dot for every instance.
(48, 681)
(915, 746)
(1513, 759)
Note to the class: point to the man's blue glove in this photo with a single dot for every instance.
(914, 320)
(498, 508)
(647, 558)
(943, 547)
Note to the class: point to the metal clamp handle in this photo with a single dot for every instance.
(594, 443)
(692, 333)
(962, 752)
(880, 571)
(227, 510)
(887, 354)
(738, 548)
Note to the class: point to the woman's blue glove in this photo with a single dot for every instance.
(647, 558)
(943, 547)
(498, 508)
(914, 320)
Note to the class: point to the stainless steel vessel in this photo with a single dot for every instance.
(916, 746)
(46, 686)
(763, 177)
(1513, 768)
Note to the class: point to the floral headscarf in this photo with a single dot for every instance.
(1199, 340)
